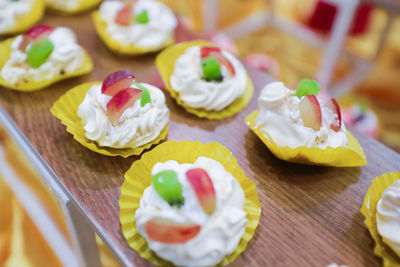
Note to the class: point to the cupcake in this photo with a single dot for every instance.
(17, 16)
(381, 209)
(206, 80)
(41, 56)
(119, 116)
(192, 205)
(293, 120)
(71, 6)
(132, 28)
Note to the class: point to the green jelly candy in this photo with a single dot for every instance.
(142, 17)
(167, 185)
(39, 52)
(211, 69)
(146, 98)
(307, 87)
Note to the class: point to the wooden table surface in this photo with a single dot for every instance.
(310, 215)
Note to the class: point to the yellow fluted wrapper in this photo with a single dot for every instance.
(350, 156)
(5, 53)
(165, 62)
(118, 48)
(26, 21)
(83, 5)
(138, 178)
(66, 110)
(371, 199)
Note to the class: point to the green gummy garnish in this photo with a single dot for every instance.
(39, 52)
(211, 69)
(169, 188)
(146, 98)
(307, 87)
(142, 17)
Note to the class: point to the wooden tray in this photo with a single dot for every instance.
(310, 214)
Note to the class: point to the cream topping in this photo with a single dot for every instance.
(66, 57)
(279, 120)
(137, 125)
(388, 217)
(153, 34)
(196, 92)
(220, 232)
(11, 10)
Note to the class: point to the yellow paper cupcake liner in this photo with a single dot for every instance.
(165, 62)
(350, 156)
(118, 48)
(138, 178)
(368, 209)
(66, 109)
(5, 53)
(82, 6)
(27, 20)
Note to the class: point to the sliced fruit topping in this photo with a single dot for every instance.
(124, 16)
(146, 98)
(206, 50)
(203, 187)
(169, 188)
(39, 52)
(38, 30)
(307, 87)
(333, 106)
(167, 231)
(310, 112)
(120, 102)
(215, 52)
(211, 69)
(116, 82)
(142, 17)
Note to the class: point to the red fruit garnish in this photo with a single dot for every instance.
(121, 101)
(333, 106)
(167, 231)
(310, 112)
(213, 51)
(116, 82)
(206, 50)
(124, 16)
(33, 33)
(203, 187)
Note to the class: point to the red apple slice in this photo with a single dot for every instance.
(333, 106)
(120, 102)
(124, 16)
(33, 34)
(216, 52)
(167, 231)
(203, 187)
(206, 50)
(116, 82)
(310, 112)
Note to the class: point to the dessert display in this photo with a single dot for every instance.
(381, 209)
(20, 15)
(206, 80)
(40, 57)
(297, 127)
(135, 27)
(192, 204)
(118, 116)
(71, 6)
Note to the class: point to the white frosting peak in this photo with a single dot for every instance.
(11, 10)
(388, 217)
(220, 232)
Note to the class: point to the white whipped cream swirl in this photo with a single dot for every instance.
(137, 125)
(220, 232)
(153, 34)
(66, 57)
(279, 120)
(198, 93)
(388, 217)
(11, 10)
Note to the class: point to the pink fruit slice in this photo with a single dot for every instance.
(310, 112)
(333, 106)
(120, 102)
(33, 34)
(168, 231)
(116, 82)
(206, 51)
(124, 16)
(203, 187)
